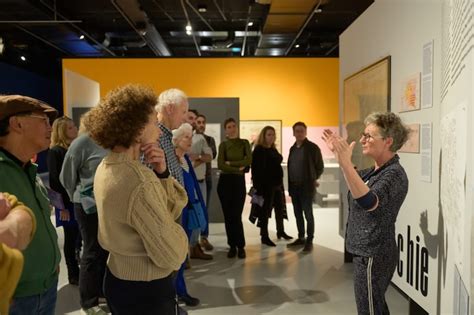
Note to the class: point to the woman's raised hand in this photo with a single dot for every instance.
(338, 145)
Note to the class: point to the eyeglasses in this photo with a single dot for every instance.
(45, 119)
(368, 137)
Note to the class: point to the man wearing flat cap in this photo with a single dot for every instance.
(25, 130)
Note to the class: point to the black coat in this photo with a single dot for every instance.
(313, 167)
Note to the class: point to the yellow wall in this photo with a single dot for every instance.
(289, 89)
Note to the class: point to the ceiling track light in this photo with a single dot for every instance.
(23, 58)
(81, 37)
(189, 27)
(250, 24)
(297, 45)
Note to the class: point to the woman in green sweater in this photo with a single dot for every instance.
(234, 160)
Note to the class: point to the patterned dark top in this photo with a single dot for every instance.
(166, 143)
(371, 232)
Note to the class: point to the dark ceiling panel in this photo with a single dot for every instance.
(108, 33)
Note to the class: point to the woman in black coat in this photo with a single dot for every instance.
(63, 132)
(267, 177)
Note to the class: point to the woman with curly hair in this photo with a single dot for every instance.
(64, 131)
(137, 206)
(375, 197)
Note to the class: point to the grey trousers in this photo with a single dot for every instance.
(372, 277)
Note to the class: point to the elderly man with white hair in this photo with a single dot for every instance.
(172, 108)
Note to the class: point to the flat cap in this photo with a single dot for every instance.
(16, 104)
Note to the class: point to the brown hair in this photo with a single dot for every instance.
(228, 121)
(58, 133)
(120, 116)
(261, 137)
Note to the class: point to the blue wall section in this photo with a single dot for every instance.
(15, 80)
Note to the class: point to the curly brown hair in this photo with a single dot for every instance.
(120, 116)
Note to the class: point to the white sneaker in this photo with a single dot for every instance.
(95, 310)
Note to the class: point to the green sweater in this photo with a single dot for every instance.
(42, 255)
(237, 152)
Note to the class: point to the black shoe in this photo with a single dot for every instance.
(284, 235)
(241, 253)
(297, 242)
(232, 252)
(189, 300)
(308, 247)
(74, 280)
(267, 241)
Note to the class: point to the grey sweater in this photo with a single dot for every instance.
(371, 232)
(79, 166)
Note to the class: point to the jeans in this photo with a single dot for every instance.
(40, 304)
(125, 297)
(93, 260)
(303, 204)
(231, 190)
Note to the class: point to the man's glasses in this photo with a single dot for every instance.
(367, 136)
(45, 119)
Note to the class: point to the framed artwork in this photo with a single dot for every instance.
(365, 92)
(250, 129)
(413, 143)
(410, 93)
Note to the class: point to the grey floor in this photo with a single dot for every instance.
(271, 280)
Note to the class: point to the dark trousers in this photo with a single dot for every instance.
(126, 297)
(93, 260)
(231, 191)
(303, 204)
(372, 276)
(205, 232)
(273, 198)
(71, 239)
(72, 243)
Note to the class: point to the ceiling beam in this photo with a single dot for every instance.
(47, 42)
(308, 19)
(56, 13)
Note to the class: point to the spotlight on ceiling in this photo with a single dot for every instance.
(23, 58)
(297, 45)
(81, 37)
(189, 32)
(202, 8)
(189, 28)
(250, 24)
(2, 46)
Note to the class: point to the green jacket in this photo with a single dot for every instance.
(42, 254)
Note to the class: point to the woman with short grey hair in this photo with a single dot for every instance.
(375, 197)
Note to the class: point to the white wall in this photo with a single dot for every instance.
(400, 29)
(79, 91)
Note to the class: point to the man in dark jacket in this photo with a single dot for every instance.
(305, 166)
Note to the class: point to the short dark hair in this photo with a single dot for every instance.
(4, 124)
(298, 124)
(193, 111)
(201, 115)
(228, 121)
(120, 116)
